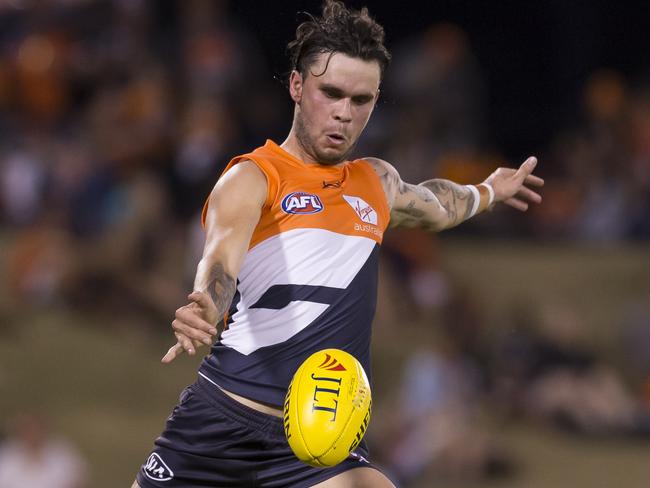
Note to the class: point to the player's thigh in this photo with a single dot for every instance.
(357, 478)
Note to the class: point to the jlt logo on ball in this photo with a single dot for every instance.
(328, 395)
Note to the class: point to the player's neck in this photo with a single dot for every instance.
(292, 145)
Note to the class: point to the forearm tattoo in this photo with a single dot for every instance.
(221, 287)
(454, 198)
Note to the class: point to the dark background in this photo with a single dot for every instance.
(535, 56)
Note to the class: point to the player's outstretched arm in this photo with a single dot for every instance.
(440, 204)
(234, 209)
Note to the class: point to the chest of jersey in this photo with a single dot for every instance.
(343, 199)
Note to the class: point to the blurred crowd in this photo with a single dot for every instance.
(463, 383)
(118, 116)
(116, 124)
(34, 457)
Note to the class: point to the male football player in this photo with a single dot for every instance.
(290, 265)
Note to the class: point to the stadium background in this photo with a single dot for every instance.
(511, 352)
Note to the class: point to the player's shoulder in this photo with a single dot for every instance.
(382, 167)
(245, 171)
(242, 186)
(244, 179)
(388, 176)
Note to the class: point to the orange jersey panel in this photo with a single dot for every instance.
(347, 198)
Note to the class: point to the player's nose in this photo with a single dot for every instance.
(343, 110)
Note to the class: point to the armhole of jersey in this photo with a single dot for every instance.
(378, 187)
(270, 173)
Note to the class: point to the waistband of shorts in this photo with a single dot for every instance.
(238, 411)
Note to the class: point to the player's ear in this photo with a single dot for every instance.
(295, 86)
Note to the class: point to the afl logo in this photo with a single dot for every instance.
(300, 202)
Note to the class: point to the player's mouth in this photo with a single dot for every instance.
(336, 138)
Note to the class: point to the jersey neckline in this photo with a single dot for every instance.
(312, 166)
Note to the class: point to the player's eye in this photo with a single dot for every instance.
(329, 93)
(361, 100)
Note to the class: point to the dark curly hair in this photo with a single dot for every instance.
(338, 30)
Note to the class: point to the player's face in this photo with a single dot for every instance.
(333, 109)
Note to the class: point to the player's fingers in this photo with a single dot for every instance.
(525, 169)
(534, 180)
(516, 203)
(529, 195)
(191, 318)
(186, 343)
(192, 332)
(200, 298)
(173, 352)
(196, 343)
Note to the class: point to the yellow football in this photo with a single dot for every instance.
(327, 408)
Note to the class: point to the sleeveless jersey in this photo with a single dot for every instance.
(309, 279)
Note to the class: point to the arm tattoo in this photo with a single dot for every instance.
(221, 287)
(408, 216)
(454, 198)
(411, 211)
(388, 180)
(421, 192)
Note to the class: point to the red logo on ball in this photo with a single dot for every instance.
(331, 364)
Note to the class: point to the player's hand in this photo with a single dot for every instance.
(183, 344)
(201, 303)
(511, 186)
(194, 326)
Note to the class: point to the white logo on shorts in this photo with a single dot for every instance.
(359, 457)
(156, 469)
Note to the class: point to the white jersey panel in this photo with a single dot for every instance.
(313, 257)
(260, 327)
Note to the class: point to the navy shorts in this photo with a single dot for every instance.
(212, 440)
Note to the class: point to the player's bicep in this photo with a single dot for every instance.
(233, 211)
(417, 206)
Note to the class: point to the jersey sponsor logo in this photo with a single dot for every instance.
(368, 228)
(365, 212)
(331, 364)
(156, 469)
(301, 203)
